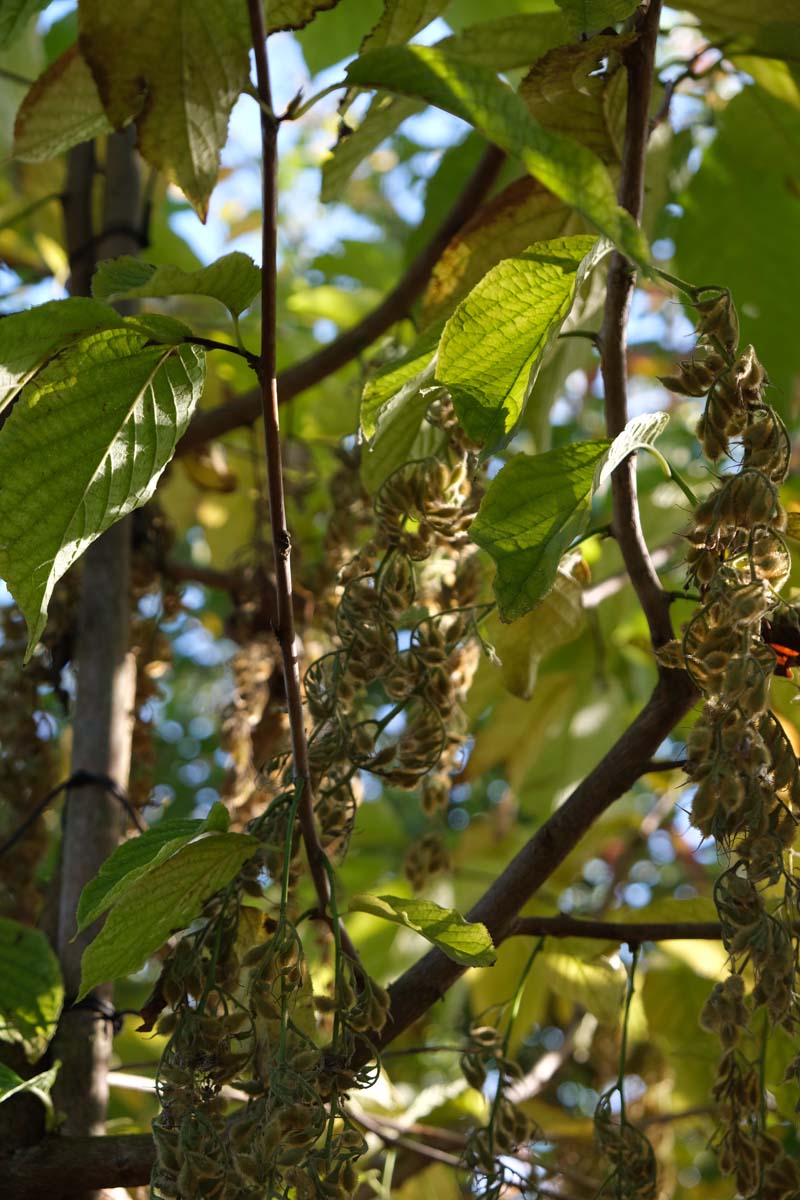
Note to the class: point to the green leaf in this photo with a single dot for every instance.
(61, 110)
(400, 20)
(130, 860)
(467, 943)
(521, 646)
(508, 42)
(394, 382)
(568, 91)
(577, 973)
(84, 446)
(177, 67)
(740, 16)
(384, 115)
(523, 213)
(334, 35)
(475, 94)
(14, 18)
(639, 434)
(165, 899)
(29, 339)
(293, 14)
(530, 515)
(493, 344)
(39, 1085)
(588, 15)
(234, 280)
(31, 991)
(401, 434)
(754, 157)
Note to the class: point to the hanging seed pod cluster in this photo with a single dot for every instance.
(744, 770)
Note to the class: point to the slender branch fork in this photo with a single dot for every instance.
(281, 538)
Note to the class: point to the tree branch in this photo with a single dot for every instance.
(639, 62)
(58, 1166)
(427, 980)
(632, 933)
(246, 409)
(281, 538)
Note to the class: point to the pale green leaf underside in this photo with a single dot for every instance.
(639, 433)
(530, 515)
(61, 110)
(84, 446)
(520, 646)
(140, 854)
(465, 942)
(130, 860)
(389, 383)
(163, 900)
(178, 68)
(31, 991)
(585, 980)
(28, 339)
(475, 94)
(38, 1085)
(493, 343)
(234, 280)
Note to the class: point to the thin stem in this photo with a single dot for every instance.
(294, 114)
(281, 539)
(639, 61)
(623, 1049)
(213, 344)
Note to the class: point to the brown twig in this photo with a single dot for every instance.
(632, 933)
(246, 409)
(281, 539)
(639, 62)
(427, 980)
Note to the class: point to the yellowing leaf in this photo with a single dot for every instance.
(61, 110)
(521, 646)
(177, 67)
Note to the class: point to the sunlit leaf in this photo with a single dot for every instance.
(639, 433)
(234, 280)
(163, 900)
(521, 645)
(576, 972)
(28, 339)
(492, 345)
(475, 94)
(61, 110)
(467, 943)
(530, 514)
(31, 991)
(86, 444)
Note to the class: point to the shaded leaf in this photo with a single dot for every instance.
(31, 991)
(384, 115)
(401, 434)
(392, 381)
(467, 943)
(522, 645)
(493, 344)
(165, 899)
(531, 513)
(38, 1085)
(400, 20)
(14, 18)
(61, 110)
(333, 35)
(577, 973)
(588, 15)
(176, 67)
(754, 157)
(567, 91)
(507, 42)
(475, 94)
(29, 339)
(108, 411)
(639, 433)
(294, 14)
(740, 16)
(234, 280)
